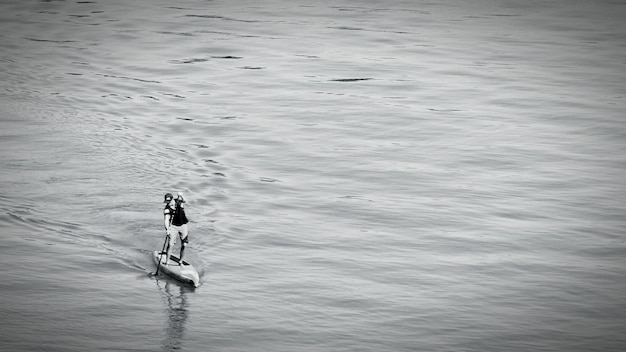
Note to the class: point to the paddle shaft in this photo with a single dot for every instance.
(162, 250)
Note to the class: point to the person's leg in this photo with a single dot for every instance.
(184, 239)
(170, 246)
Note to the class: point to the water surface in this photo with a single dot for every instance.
(360, 176)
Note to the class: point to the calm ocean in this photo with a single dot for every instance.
(361, 175)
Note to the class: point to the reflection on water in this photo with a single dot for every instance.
(177, 312)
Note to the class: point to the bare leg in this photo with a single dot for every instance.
(182, 251)
(182, 232)
(169, 250)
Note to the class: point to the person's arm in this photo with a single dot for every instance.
(167, 220)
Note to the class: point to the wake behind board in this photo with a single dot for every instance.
(185, 273)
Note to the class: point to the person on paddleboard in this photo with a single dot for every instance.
(175, 222)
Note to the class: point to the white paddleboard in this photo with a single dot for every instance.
(185, 273)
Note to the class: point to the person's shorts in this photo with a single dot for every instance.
(181, 231)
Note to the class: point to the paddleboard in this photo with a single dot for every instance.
(185, 273)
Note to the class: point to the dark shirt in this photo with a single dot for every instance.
(179, 218)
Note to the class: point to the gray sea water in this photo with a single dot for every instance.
(439, 175)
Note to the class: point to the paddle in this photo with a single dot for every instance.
(161, 256)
